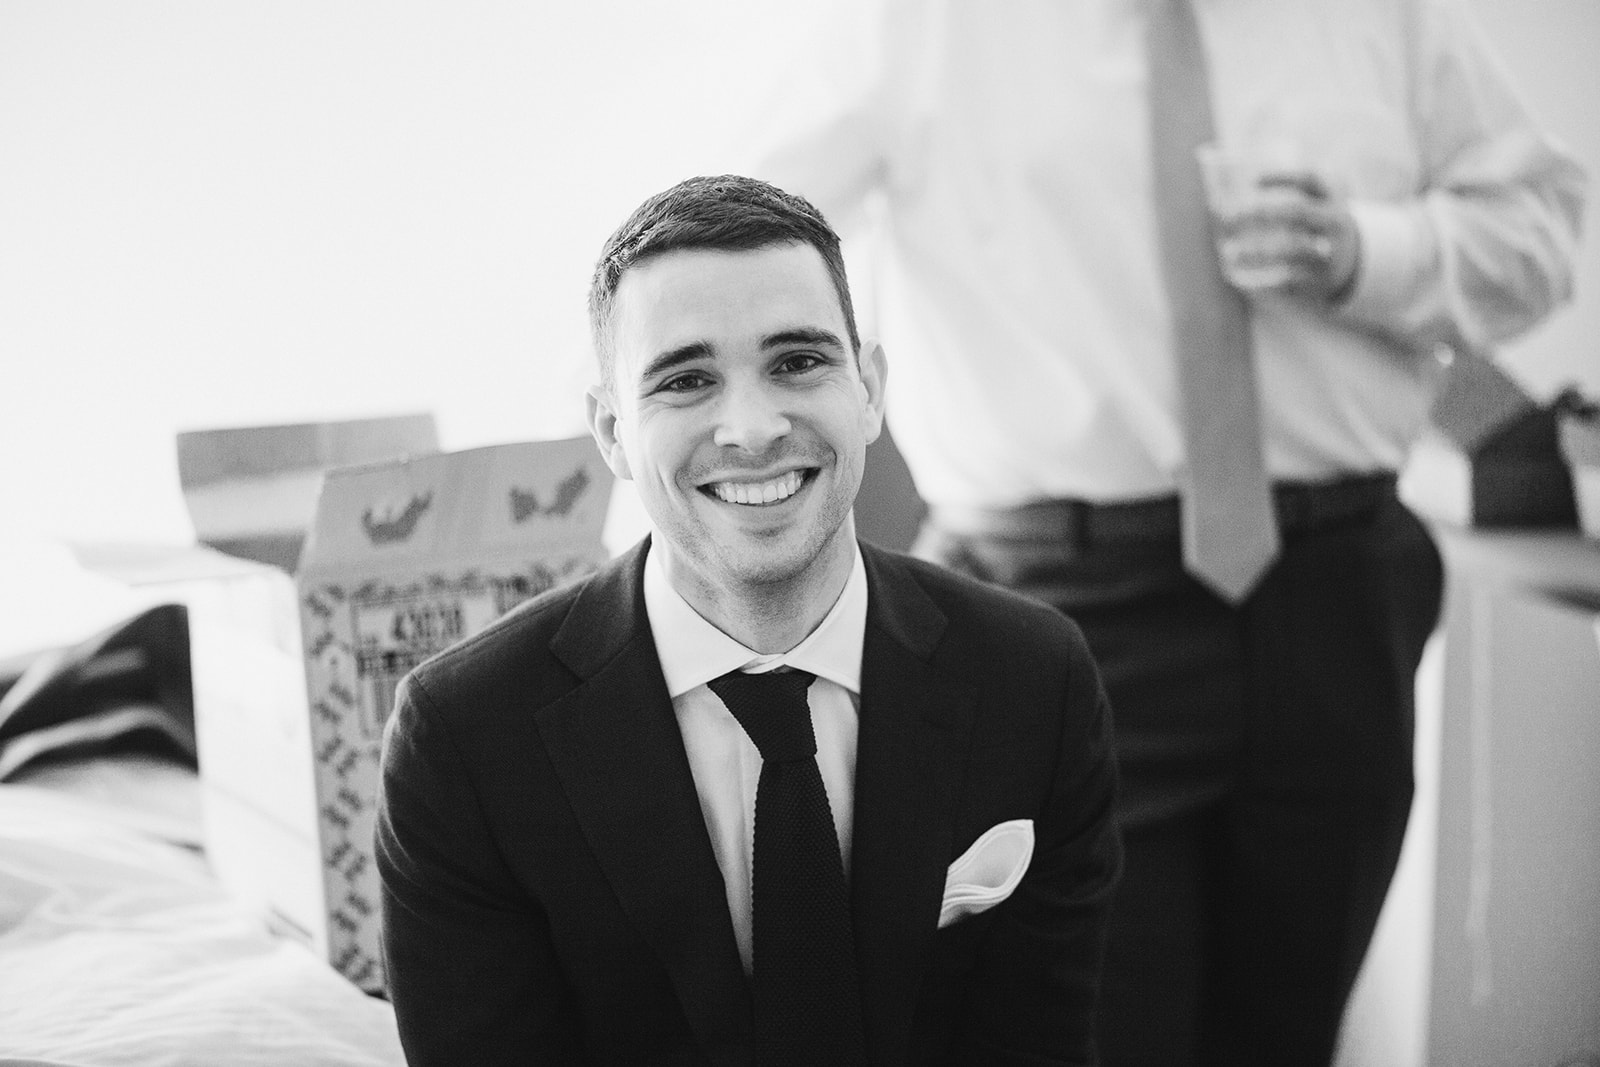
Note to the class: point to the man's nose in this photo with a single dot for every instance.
(750, 417)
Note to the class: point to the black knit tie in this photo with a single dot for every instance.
(807, 993)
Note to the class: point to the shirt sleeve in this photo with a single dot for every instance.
(826, 135)
(1485, 249)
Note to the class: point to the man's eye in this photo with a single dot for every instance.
(800, 362)
(683, 383)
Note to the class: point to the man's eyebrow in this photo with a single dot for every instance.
(802, 335)
(676, 357)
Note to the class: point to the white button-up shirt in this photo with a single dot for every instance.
(1018, 282)
(724, 761)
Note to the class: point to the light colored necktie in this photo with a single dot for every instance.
(1229, 532)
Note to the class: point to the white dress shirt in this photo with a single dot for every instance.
(724, 761)
(1017, 280)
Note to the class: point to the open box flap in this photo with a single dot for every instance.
(482, 503)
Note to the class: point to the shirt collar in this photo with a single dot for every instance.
(693, 651)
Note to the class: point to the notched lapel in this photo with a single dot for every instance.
(615, 747)
(911, 763)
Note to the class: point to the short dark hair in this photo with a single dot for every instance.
(728, 213)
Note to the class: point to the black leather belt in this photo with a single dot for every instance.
(1300, 506)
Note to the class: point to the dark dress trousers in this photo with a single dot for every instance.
(1264, 756)
(550, 894)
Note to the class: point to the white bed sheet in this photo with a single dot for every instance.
(118, 948)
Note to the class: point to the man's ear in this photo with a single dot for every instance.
(874, 377)
(602, 409)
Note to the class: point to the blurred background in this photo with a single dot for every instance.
(245, 213)
(219, 214)
(223, 214)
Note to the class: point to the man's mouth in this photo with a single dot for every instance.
(770, 491)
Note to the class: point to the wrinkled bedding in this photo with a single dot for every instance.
(117, 947)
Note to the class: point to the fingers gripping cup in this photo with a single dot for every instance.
(1252, 196)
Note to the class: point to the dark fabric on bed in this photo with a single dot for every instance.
(139, 663)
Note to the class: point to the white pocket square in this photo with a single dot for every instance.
(988, 872)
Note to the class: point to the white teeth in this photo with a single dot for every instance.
(769, 492)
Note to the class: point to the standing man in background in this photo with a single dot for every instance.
(752, 792)
(1180, 422)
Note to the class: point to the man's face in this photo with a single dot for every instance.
(740, 414)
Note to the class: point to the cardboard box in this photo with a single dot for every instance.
(1488, 457)
(251, 490)
(294, 687)
(403, 560)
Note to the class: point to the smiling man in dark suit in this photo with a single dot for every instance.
(754, 792)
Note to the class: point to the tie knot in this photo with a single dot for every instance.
(772, 709)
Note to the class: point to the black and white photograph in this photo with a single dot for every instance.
(755, 534)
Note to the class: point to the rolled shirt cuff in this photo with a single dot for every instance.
(1397, 254)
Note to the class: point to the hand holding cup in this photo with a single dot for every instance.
(1279, 227)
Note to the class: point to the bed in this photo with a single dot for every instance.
(117, 944)
(118, 947)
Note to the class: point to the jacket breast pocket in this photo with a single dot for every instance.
(956, 948)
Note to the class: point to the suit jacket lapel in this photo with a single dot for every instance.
(911, 761)
(615, 746)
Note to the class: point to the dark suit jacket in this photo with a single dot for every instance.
(549, 889)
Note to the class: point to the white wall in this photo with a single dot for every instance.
(230, 213)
